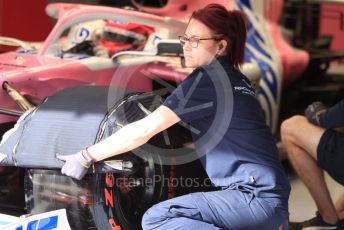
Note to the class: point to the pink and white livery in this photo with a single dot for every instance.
(73, 54)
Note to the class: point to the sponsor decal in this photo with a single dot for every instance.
(109, 200)
(82, 34)
(54, 220)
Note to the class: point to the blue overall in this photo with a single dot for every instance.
(236, 149)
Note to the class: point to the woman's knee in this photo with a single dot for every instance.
(149, 218)
(154, 216)
(146, 221)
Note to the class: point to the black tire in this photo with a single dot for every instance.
(129, 194)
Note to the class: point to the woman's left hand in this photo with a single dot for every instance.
(76, 165)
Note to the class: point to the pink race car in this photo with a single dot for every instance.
(79, 51)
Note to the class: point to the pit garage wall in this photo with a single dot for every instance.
(332, 23)
(25, 20)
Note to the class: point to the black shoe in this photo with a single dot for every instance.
(340, 225)
(316, 223)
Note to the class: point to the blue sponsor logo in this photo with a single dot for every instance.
(81, 35)
(41, 224)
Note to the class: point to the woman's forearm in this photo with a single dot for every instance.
(134, 134)
(126, 139)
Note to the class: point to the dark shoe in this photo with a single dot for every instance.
(316, 223)
(340, 225)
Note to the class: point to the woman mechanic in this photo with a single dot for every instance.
(242, 159)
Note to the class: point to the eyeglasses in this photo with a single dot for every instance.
(193, 41)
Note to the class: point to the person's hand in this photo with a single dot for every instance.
(314, 111)
(76, 165)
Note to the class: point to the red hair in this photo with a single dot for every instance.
(229, 25)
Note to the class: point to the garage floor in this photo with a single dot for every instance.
(301, 204)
